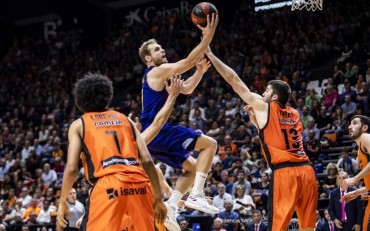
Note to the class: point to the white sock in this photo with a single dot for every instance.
(175, 197)
(200, 179)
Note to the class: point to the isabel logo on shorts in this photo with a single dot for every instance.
(114, 193)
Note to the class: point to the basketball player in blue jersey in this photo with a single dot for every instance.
(172, 144)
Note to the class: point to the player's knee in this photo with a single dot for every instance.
(212, 143)
(206, 142)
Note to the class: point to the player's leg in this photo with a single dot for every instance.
(307, 204)
(103, 208)
(283, 196)
(365, 222)
(207, 147)
(183, 183)
(139, 205)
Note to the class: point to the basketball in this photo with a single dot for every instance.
(200, 12)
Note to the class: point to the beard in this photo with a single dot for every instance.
(267, 99)
(160, 61)
(355, 134)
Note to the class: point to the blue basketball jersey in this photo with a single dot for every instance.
(172, 144)
(152, 101)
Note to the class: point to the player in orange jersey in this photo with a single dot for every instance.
(359, 132)
(293, 182)
(116, 163)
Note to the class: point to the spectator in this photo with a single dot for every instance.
(305, 116)
(324, 122)
(49, 176)
(44, 216)
(228, 213)
(330, 182)
(312, 95)
(257, 224)
(346, 216)
(229, 160)
(83, 194)
(243, 203)
(310, 126)
(225, 180)
(219, 200)
(238, 166)
(241, 136)
(312, 146)
(227, 143)
(349, 108)
(315, 109)
(339, 121)
(184, 225)
(241, 180)
(347, 90)
(347, 163)
(329, 224)
(363, 98)
(32, 209)
(218, 225)
(216, 173)
(26, 198)
(261, 192)
(214, 131)
(201, 111)
(319, 222)
(212, 111)
(330, 97)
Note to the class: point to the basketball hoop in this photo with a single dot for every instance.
(310, 5)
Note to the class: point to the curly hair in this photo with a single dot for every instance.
(93, 92)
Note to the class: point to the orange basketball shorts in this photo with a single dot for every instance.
(112, 201)
(293, 189)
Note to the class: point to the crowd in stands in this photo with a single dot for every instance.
(36, 104)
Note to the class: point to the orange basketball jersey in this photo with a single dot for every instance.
(109, 147)
(363, 160)
(281, 138)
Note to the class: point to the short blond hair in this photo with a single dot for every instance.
(143, 50)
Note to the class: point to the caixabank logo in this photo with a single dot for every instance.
(115, 193)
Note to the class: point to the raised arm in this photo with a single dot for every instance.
(160, 210)
(197, 53)
(192, 82)
(237, 84)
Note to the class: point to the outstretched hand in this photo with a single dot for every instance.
(136, 121)
(252, 116)
(175, 85)
(203, 65)
(160, 212)
(349, 196)
(212, 21)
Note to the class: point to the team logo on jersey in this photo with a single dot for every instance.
(115, 193)
(119, 160)
(112, 193)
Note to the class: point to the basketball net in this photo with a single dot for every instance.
(309, 5)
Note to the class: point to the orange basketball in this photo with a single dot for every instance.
(200, 12)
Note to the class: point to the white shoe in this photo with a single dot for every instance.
(171, 222)
(200, 203)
